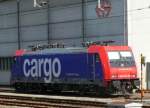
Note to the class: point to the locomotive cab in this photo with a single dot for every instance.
(119, 67)
(122, 65)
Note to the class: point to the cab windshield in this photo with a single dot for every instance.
(121, 59)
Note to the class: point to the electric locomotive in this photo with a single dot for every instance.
(96, 68)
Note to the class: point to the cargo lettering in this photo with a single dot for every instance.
(47, 67)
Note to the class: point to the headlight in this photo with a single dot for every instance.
(114, 76)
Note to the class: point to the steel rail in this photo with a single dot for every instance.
(46, 103)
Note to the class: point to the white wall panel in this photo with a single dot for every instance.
(34, 33)
(8, 35)
(65, 13)
(7, 21)
(139, 32)
(34, 17)
(66, 30)
(8, 7)
(8, 49)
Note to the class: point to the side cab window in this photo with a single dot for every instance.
(97, 57)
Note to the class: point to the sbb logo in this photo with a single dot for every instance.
(46, 68)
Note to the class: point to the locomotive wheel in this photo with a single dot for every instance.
(101, 91)
(19, 87)
(56, 89)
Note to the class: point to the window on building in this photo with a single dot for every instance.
(6, 63)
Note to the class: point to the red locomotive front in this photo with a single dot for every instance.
(119, 68)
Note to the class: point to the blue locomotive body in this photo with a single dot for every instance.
(107, 69)
(58, 68)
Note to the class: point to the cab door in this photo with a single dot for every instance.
(97, 68)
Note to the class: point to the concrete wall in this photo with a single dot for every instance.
(62, 22)
(8, 30)
(138, 30)
(5, 78)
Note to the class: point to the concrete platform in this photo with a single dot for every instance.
(125, 105)
(103, 100)
(118, 102)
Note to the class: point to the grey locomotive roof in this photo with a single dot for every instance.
(59, 51)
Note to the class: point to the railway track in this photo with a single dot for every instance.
(7, 89)
(9, 98)
(41, 102)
